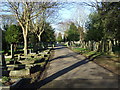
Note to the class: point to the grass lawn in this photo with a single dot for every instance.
(85, 52)
(79, 50)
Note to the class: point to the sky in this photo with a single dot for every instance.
(70, 12)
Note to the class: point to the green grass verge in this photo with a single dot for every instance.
(1, 51)
(8, 59)
(79, 50)
(86, 52)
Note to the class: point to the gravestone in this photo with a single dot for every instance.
(110, 47)
(97, 46)
(12, 51)
(19, 57)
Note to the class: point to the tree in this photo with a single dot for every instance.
(48, 34)
(81, 32)
(94, 28)
(59, 38)
(111, 19)
(5, 44)
(7, 20)
(103, 25)
(73, 34)
(13, 36)
(32, 38)
(26, 14)
(39, 24)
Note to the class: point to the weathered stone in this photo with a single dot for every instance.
(20, 73)
(110, 46)
(10, 67)
(15, 67)
(38, 56)
(29, 66)
(19, 57)
(27, 61)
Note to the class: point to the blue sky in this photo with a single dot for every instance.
(72, 12)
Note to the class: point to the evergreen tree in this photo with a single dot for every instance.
(73, 34)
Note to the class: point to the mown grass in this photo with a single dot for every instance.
(80, 50)
(1, 51)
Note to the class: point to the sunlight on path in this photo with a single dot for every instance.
(70, 70)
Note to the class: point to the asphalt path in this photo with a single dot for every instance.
(68, 69)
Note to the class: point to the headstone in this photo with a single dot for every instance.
(110, 46)
(117, 43)
(30, 51)
(89, 45)
(12, 51)
(114, 42)
(97, 46)
(19, 57)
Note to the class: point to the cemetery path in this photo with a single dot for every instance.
(71, 70)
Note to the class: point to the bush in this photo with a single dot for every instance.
(5, 79)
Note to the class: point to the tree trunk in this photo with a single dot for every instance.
(2, 59)
(39, 38)
(25, 45)
(15, 47)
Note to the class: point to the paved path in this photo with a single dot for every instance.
(70, 70)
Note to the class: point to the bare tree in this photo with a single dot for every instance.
(7, 20)
(24, 13)
(39, 22)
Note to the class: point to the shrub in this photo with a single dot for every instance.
(5, 79)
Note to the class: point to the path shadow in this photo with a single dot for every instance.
(59, 73)
(64, 56)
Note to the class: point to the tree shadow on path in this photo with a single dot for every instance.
(60, 73)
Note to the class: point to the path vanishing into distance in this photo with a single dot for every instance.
(68, 69)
